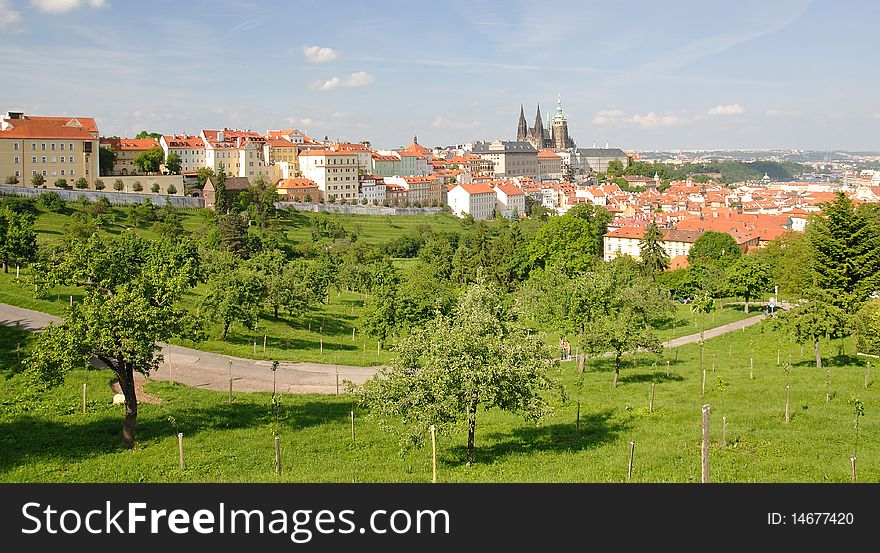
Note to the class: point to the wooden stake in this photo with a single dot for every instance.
(705, 448)
(352, 334)
(788, 404)
(724, 431)
(703, 385)
(264, 343)
(310, 326)
(337, 381)
(580, 364)
(433, 455)
(578, 423)
(180, 448)
(71, 300)
(777, 357)
(730, 350)
(852, 462)
(713, 362)
(277, 454)
(867, 374)
(255, 347)
(378, 347)
(230, 389)
(84, 398)
(16, 271)
(651, 405)
(629, 472)
(352, 426)
(322, 346)
(667, 366)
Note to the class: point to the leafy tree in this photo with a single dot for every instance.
(60, 183)
(478, 356)
(11, 180)
(405, 246)
(149, 161)
(262, 197)
(51, 201)
(655, 260)
(154, 188)
(845, 247)
(132, 289)
(118, 185)
(714, 247)
(172, 190)
(18, 241)
(615, 169)
(379, 317)
(748, 277)
(173, 163)
(99, 184)
(38, 180)
(137, 186)
(234, 296)
(221, 198)
(867, 328)
(233, 234)
(420, 297)
(572, 241)
(204, 174)
(81, 183)
(790, 261)
(106, 160)
(145, 134)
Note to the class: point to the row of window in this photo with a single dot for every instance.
(44, 159)
(43, 146)
(45, 173)
(335, 179)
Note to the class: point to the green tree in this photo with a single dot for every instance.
(790, 261)
(51, 201)
(204, 174)
(478, 356)
(845, 250)
(145, 134)
(655, 260)
(867, 328)
(172, 190)
(379, 317)
(149, 161)
(221, 198)
(615, 169)
(18, 241)
(719, 248)
(106, 160)
(572, 241)
(748, 277)
(233, 234)
(234, 296)
(137, 186)
(262, 198)
(118, 185)
(173, 163)
(99, 184)
(132, 289)
(38, 180)
(12, 180)
(154, 188)
(81, 183)
(60, 183)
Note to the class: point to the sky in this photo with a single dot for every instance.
(638, 75)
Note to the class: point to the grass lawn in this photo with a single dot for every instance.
(45, 437)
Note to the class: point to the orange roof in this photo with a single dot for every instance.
(176, 141)
(416, 149)
(325, 153)
(130, 144)
(353, 147)
(679, 262)
(380, 157)
(477, 188)
(280, 143)
(547, 154)
(510, 189)
(78, 128)
(296, 184)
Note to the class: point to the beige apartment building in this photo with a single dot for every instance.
(509, 158)
(54, 147)
(335, 172)
(127, 149)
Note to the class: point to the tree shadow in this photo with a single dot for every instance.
(294, 343)
(596, 429)
(657, 377)
(29, 440)
(844, 360)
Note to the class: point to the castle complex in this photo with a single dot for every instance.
(554, 136)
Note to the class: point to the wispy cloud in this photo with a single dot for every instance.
(782, 113)
(316, 54)
(445, 123)
(9, 17)
(63, 6)
(360, 78)
(608, 117)
(646, 121)
(248, 25)
(730, 109)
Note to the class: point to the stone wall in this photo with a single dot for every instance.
(117, 198)
(359, 209)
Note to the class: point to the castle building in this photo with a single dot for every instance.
(554, 136)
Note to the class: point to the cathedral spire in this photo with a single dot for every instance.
(539, 125)
(522, 130)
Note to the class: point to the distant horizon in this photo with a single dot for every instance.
(683, 76)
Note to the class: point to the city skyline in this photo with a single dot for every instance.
(691, 76)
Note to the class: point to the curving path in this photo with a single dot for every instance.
(212, 370)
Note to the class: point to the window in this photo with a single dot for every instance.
(54, 159)
(72, 172)
(44, 173)
(54, 172)
(44, 159)
(16, 146)
(17, 174)
(87, 171)
(33, 146)
(16, 159)
(62, 145)
(34, 173)
(62, 172)
(43, 147)
(53, 145)
(71, 146)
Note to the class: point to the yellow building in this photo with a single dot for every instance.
(127, 149)
(54, 147)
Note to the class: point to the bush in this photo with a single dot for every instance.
(51, 201)
(17, 204)
(171, 189)
(118, 185)
(137, 187)
(38, 180)
(99, 184)
(154, 188)
(61, 183)
(308, 198)
(12, 180)
(403, 246)
(81, 183)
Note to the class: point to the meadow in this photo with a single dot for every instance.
(45, 437)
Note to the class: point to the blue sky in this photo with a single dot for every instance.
(640, 75)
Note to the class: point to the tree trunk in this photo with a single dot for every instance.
(616, 368)
(746, 306)
(472, 430)
(5, 266)
(276, 311)
(125, 373)
(225, 330)
(818, 354)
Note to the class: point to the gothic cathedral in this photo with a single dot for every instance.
(554, 137)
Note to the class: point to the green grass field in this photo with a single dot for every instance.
(45, 437)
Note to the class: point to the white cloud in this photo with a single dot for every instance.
(651, 120)
(9, 17)
(62, 6)
(443, 123)
(782, 113)
(606, 117)
(731, 109)
(316, 54)
(361, 78)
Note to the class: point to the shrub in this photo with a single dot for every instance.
(154, 188)
(38, 180)
(137, 187)
(12, 180)
(99, 184)
(308, 198)
(61, 183)
(118, 185)
(81, 183)
(171, 189)
(51, 201)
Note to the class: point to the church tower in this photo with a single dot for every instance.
(538, 131)
(522, 130)
(561, 141)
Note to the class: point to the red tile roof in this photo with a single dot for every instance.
(130, 144)
(76, 128)
(477, 188)
(296, 184)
